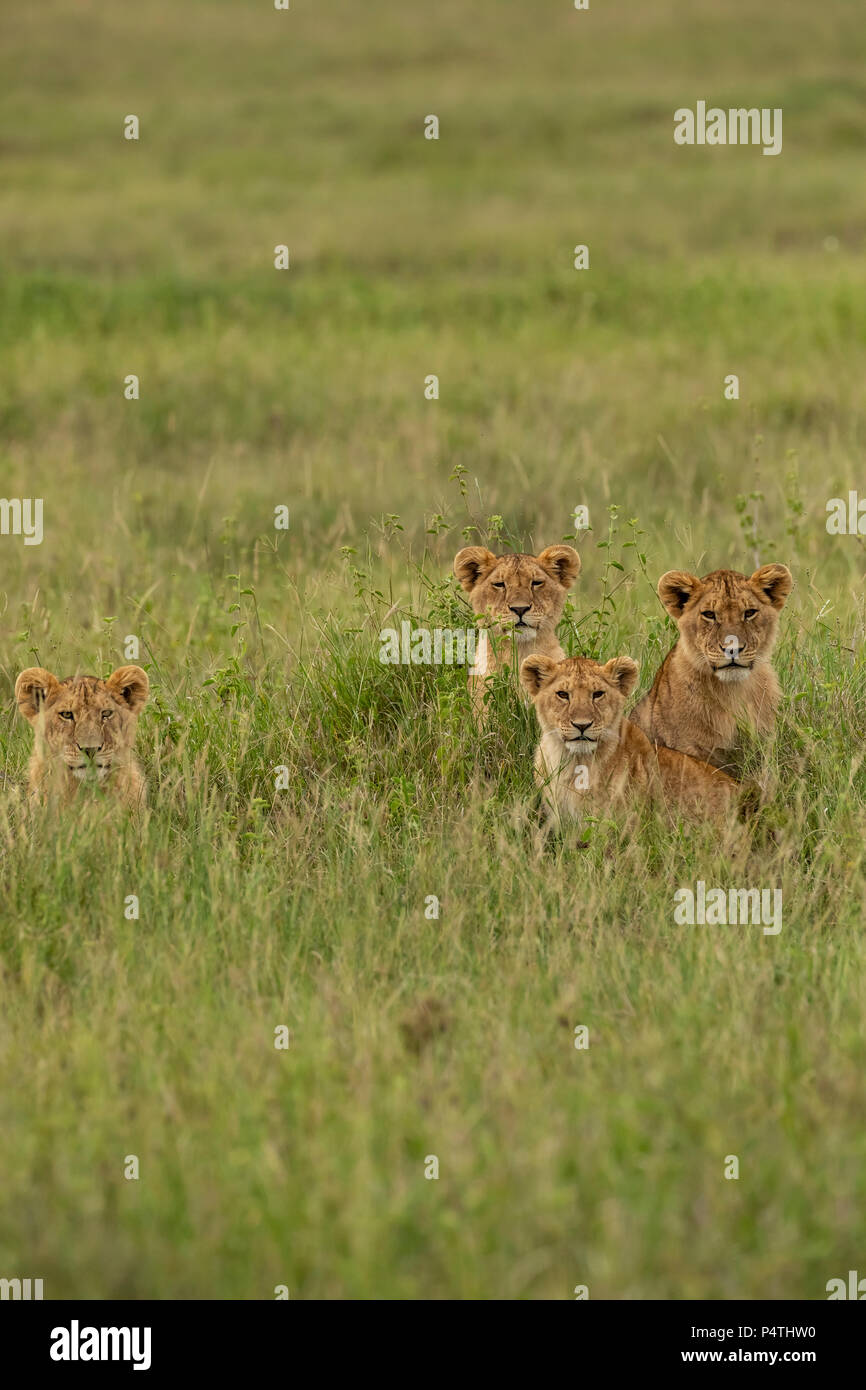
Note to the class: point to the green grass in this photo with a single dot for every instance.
(305, 907)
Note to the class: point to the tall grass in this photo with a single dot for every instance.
(310, 907)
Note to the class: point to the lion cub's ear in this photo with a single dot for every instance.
(32, 689)
(534, 671)
(562, 562)
(471, 562)
(622, 671)
(675, 589)
(131, 685)
(775, 581)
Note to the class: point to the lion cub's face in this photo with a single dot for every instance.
(520, 594)
(85, 725)
(579, 701)
(728, 623)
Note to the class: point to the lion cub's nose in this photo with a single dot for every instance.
(582, 728)
(520, 611)
(90, 750)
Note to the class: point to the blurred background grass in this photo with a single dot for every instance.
(605, 387)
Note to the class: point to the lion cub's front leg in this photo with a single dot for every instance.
(130, 789)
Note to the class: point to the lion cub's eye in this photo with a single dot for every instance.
(750, 613)
(563, 695)
(597, 694)
(66, 714)
(107, 713)
(711, 617)
(536, 583)
(498, 584)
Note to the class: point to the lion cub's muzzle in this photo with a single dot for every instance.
(737, 669)
(88, 761)
(577, 738)
(519, 622)
(737, 663)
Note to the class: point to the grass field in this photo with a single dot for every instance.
(305, 907)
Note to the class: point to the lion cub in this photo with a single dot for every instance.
(590, 757)
(85, 729)
(718, 672)
(519, 596)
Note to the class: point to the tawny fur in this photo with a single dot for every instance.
(591, 758)
(519, 601)
(84, 733)
(700, 696)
